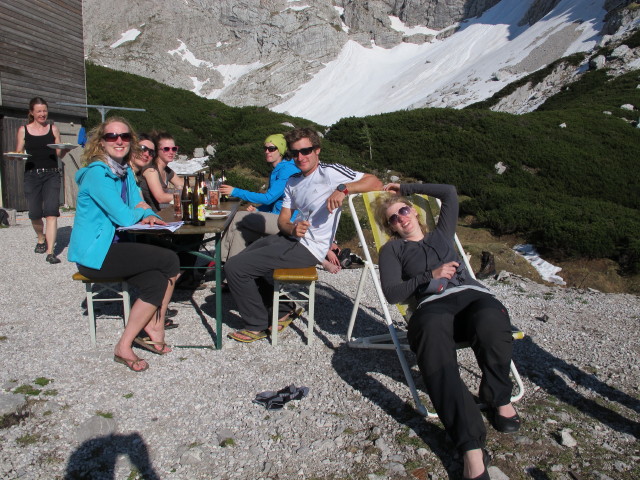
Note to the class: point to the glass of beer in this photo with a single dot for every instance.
(214, 198)
(177, 202)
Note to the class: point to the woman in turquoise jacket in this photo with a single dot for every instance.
(258, 222)
(108, 197)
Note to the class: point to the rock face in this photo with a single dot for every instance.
(257, 52)
(249, 52)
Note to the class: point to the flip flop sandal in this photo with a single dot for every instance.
(286, 321)
(251, 337)
(130, 363)
(148, 344)
(169, 324)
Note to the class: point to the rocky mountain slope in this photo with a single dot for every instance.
(259, 52)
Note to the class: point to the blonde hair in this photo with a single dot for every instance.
(93, 151)
(379, 207)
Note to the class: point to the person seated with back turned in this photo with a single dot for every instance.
(255, 223)
(423, 266)
(317, 194)
(108, 197)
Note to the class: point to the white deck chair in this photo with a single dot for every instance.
(392, 340)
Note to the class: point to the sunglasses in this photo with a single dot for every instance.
(302, 151)
(270, 148)
(112, 137)
(395, 218)
(150, 151)
(169, 149)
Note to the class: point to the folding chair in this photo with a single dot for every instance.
(422, 205)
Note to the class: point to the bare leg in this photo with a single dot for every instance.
(473, 463)
(155, 327)
(38, 226)
(51, 233)
(140, 314)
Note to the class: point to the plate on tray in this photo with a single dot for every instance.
(22, 156)
(217, 214)
(64, 146)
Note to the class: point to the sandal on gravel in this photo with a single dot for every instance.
(40, 247)
(149, 344)
(169, 324)
(288, 319)
(130, 364)
(250, 336)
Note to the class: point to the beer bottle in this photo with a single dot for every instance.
(186, 201)
(202, 195)
(223, 180)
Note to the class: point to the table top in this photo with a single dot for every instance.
(211, 225)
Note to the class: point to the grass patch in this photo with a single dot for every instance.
(100, 413)
(128, 395)
(52, 392)
(2, 338)
(27, 439)
(227, 442)
(42, 381)
(27, 390)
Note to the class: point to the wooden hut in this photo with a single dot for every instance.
(41, 54)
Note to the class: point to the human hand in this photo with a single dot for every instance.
(152, 220)
(300, 228)
(225, 189)
(447, 270)
(392, 188)
(335, 200)
(251, 208)
(332, 258)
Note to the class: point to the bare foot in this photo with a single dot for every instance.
(158, 337)
(507, 411)
(330, 267)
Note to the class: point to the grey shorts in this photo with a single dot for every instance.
(42, 190)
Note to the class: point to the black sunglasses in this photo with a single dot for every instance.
(166, 149)
(303, 151)
(112, 137)
(395, 218)
(150, 151)
(270, 148)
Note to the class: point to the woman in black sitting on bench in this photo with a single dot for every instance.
(452, 306)
(108, 197)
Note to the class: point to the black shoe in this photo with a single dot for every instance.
(170, 313)
(486, 460)
(41, 247)
(505, 424)
(52, 259)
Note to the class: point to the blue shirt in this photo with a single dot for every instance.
(271, 200)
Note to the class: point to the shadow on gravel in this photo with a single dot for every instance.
(550, 373)
(96, 458)
(62, 239)
(360, 369)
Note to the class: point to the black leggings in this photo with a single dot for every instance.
(146, 267)
(434, 329)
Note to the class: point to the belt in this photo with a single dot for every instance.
(44, 170)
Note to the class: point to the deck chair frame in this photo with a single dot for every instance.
(422, 205)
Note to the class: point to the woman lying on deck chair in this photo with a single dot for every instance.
(452, 307)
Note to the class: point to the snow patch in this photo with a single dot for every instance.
(128, 36)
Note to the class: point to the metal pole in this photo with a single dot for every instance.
(103, 109)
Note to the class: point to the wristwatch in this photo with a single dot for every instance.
(342, 188)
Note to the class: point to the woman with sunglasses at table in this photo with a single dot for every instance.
(139, 162)
(108, 198)
(422, 266)
(258, 222)
(158, 175)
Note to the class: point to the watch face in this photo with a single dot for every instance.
(342, 187)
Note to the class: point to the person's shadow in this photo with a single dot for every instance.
(62, 239)
(96, 458)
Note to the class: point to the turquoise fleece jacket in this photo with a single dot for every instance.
(99, 210)
(271, 200)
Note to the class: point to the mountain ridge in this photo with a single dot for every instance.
(273, 52)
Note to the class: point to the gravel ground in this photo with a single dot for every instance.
(191, 416)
